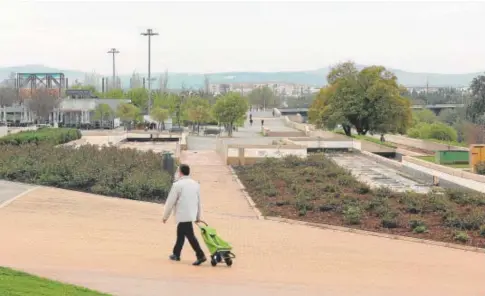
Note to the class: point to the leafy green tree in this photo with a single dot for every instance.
(160, 115)
(197, 110)
(437, 130)
(263, 97)
(475, 110)
(425, 115)
(172, 102)
(128, 113)
(229, 109)
(366, 100)
(103, 112)
(139, 97)
(115, 93)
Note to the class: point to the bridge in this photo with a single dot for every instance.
(437, 108)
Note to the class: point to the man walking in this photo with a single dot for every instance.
(184, 201)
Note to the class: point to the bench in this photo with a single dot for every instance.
(211, 131)
(177, 129)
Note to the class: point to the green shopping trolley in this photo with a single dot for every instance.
(218, 248)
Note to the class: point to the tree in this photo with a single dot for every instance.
(197, 110)
(229, 109)
(115, 93)
(174, 104)
(160, 115)
(139, 97)
(42, 103)
(263, 97)
(425, 115)
(366, 100)
(475, 110)
(102, 112)
(128, 113)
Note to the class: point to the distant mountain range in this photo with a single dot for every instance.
(311, 77)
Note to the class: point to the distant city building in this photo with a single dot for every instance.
(136, 81)
(280, 89)
(93, 79)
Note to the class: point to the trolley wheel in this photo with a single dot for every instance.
(218, 257)
(213, 262)
(228, 261)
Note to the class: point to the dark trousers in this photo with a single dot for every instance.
(186, 230)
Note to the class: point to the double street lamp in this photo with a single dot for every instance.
(149, 33)
(114, 51)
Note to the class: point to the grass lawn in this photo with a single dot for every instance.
(16, 283)
(456, 166)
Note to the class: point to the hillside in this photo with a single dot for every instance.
(312, 77)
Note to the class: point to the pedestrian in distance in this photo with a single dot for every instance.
(184, 201)
(251, 122)
(262, 122)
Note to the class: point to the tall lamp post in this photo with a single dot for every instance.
(114, 51)
(149, 33)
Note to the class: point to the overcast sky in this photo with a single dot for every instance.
(237, 36)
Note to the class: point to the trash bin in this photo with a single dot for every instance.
(168, 163)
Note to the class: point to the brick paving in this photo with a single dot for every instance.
(121, 246)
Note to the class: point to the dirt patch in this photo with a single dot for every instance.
(317, 190)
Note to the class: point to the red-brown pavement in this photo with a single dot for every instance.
(121, 246)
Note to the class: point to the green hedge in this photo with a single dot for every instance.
(53, 136)
(127, 173)
(438, 131)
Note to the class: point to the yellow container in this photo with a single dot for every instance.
(477, 154)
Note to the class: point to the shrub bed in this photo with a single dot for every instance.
(317, 190)
(53, 136)
(111, 171)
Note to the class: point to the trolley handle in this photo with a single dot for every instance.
(202, 222)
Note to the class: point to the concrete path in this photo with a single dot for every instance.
(10, 190)
(248, 134)
(121, 246)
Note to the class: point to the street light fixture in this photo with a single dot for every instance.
(114, 51)
(149, 33)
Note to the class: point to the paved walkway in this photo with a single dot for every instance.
(121, 246)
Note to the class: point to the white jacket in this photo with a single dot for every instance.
(184, 200)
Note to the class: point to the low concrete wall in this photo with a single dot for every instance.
(449, 177)
(221, 149)
(363, 145)
(3, 131)
(183, 141)
(250, 154)
(421, 144)
(305, 128)
(317, 143)
(446, 170)
(269, 133)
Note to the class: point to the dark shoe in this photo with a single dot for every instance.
(174, 258)
(199, 261)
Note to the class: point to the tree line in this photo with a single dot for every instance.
(372, 101)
